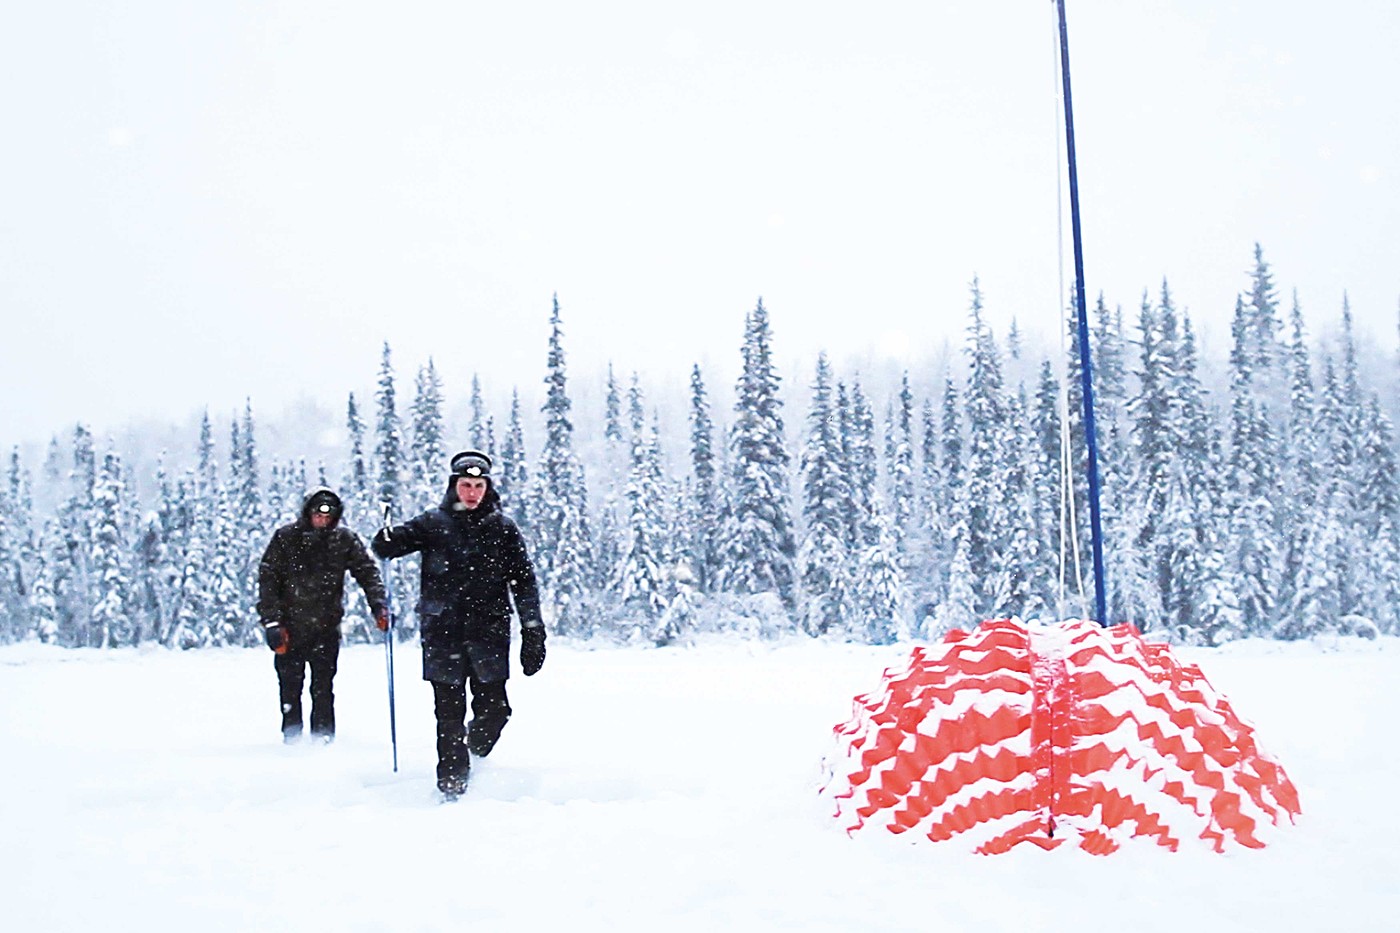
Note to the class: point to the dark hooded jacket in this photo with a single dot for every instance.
(301, 579)
(474, 562)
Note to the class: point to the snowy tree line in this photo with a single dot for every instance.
(1269, 508)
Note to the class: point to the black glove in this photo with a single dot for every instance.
(276, 637)
(531, 649)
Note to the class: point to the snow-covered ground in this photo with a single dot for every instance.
(634, 790)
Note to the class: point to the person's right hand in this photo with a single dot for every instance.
(276, 637)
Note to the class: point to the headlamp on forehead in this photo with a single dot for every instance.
(471, 463)
(324, 507)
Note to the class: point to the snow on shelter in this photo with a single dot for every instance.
(1047, 733)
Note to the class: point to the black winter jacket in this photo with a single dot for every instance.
(474, 561)
(301, 579)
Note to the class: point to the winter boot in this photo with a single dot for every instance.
(452, 787)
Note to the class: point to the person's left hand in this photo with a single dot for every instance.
(531, 649)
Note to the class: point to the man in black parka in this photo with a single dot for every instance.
(474, 563)
(301, 600)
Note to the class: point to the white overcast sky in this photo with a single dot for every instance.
(202, 201)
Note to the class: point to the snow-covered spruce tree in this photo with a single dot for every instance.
(1156, 434)
(43, 608)
(298, 482)
(153, 564)
(112, 623)
(355, 486)
(250, 527)
(177, 511)
(639, 577)
(1134, 594)
(427, 453)
(1197, 600)
(279, 493)
(609, 530)
(54, 460)
(220, 624)
(958, 610)
(612, 418)
(1379, 498)
(249, 488)
(1339, 432)
(824, 558)
(556, 474)
(1252, 483)
(1351, 372)
(1300, 470)
(1130, 595)
(1352, 412)
(862, 463)
(390, 468)
(881, 600)
(756, 555)
(207, 469)
(574, 573)
(951, 447)
(901, 461)
(843, 416)
(987, 418)
(71, 561)
(1046, 476)
(1110, 389)
(702, 465)
(1203, 433)
(636, 413)
(162, 558)
(1218, 617)
(388, 451)
(1316, 591)
(194, 603)
(490, 435)
(20, 485)
(514, 473)
(20, 489)
(564, 545)
(476, 430)
(926, 553)
(1027, 571)
(14, 609)
(16, 551)
(1174, 443)
(682, 609)
(1257, 338)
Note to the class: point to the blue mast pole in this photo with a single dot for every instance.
(1086, 371)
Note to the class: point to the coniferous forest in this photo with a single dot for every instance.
(1262, 502)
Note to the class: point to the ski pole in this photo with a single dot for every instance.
(389, 641)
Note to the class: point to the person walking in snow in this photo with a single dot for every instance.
(474, 564)
(301, 600)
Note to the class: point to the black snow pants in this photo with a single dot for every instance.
(320, 650)
(490, 710)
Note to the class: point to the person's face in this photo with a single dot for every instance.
(471, 490)
(321, 520)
